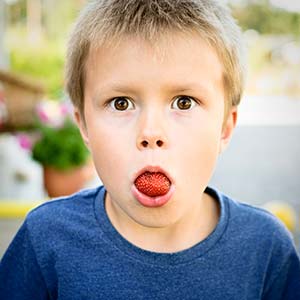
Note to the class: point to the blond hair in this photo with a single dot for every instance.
(108, 21)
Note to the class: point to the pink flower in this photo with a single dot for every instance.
(25, 141)
(50, 113)
(65, 109)
(42, 115)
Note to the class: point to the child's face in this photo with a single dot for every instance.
(167, 111)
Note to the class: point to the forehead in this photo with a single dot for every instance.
(173, 58)
(159, 47)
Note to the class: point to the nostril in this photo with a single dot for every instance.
(159, 143)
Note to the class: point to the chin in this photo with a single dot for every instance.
(161, 217)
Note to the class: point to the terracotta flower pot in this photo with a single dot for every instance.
(61, 183)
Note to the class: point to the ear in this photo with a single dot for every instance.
(228, 127)
(81, 125)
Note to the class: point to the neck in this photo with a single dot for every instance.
(181, 235)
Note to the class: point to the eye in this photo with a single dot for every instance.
(184, 102)
(121, 103)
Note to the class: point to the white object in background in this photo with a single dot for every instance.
(269, 111)
(20, 177)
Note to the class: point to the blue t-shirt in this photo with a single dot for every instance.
(68, 249)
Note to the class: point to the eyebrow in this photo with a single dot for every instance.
(170, 88)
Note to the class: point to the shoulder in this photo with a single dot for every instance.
(77, 200)
(57, 225)
(257, 227)
(265, 242)
(254, 218)
(61, 210)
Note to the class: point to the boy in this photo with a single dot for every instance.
(155, 85)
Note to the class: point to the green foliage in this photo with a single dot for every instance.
(43, 59)
(61, 148)
(57, 25)
(43, 62)
(267, 19)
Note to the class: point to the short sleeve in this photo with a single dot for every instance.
(20, 274)
(286, 284)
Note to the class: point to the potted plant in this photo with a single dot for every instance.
(59, 148)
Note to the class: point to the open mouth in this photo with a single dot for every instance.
(153, 184)
(152, 187)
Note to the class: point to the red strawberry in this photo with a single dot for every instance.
(153, 184)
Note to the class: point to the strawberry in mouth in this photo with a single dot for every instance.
(153, 188)
(153, 184)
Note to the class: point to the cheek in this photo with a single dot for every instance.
(198, 152)
(108, 145)
(106, 135)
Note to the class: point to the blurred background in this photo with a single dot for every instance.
(38, 138)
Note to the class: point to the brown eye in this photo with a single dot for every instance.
(121, 103)
(184, 102)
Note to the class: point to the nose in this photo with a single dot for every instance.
(152, 132)
(157, 142)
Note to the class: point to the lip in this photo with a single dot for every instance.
(152, 201)
(152, 169)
